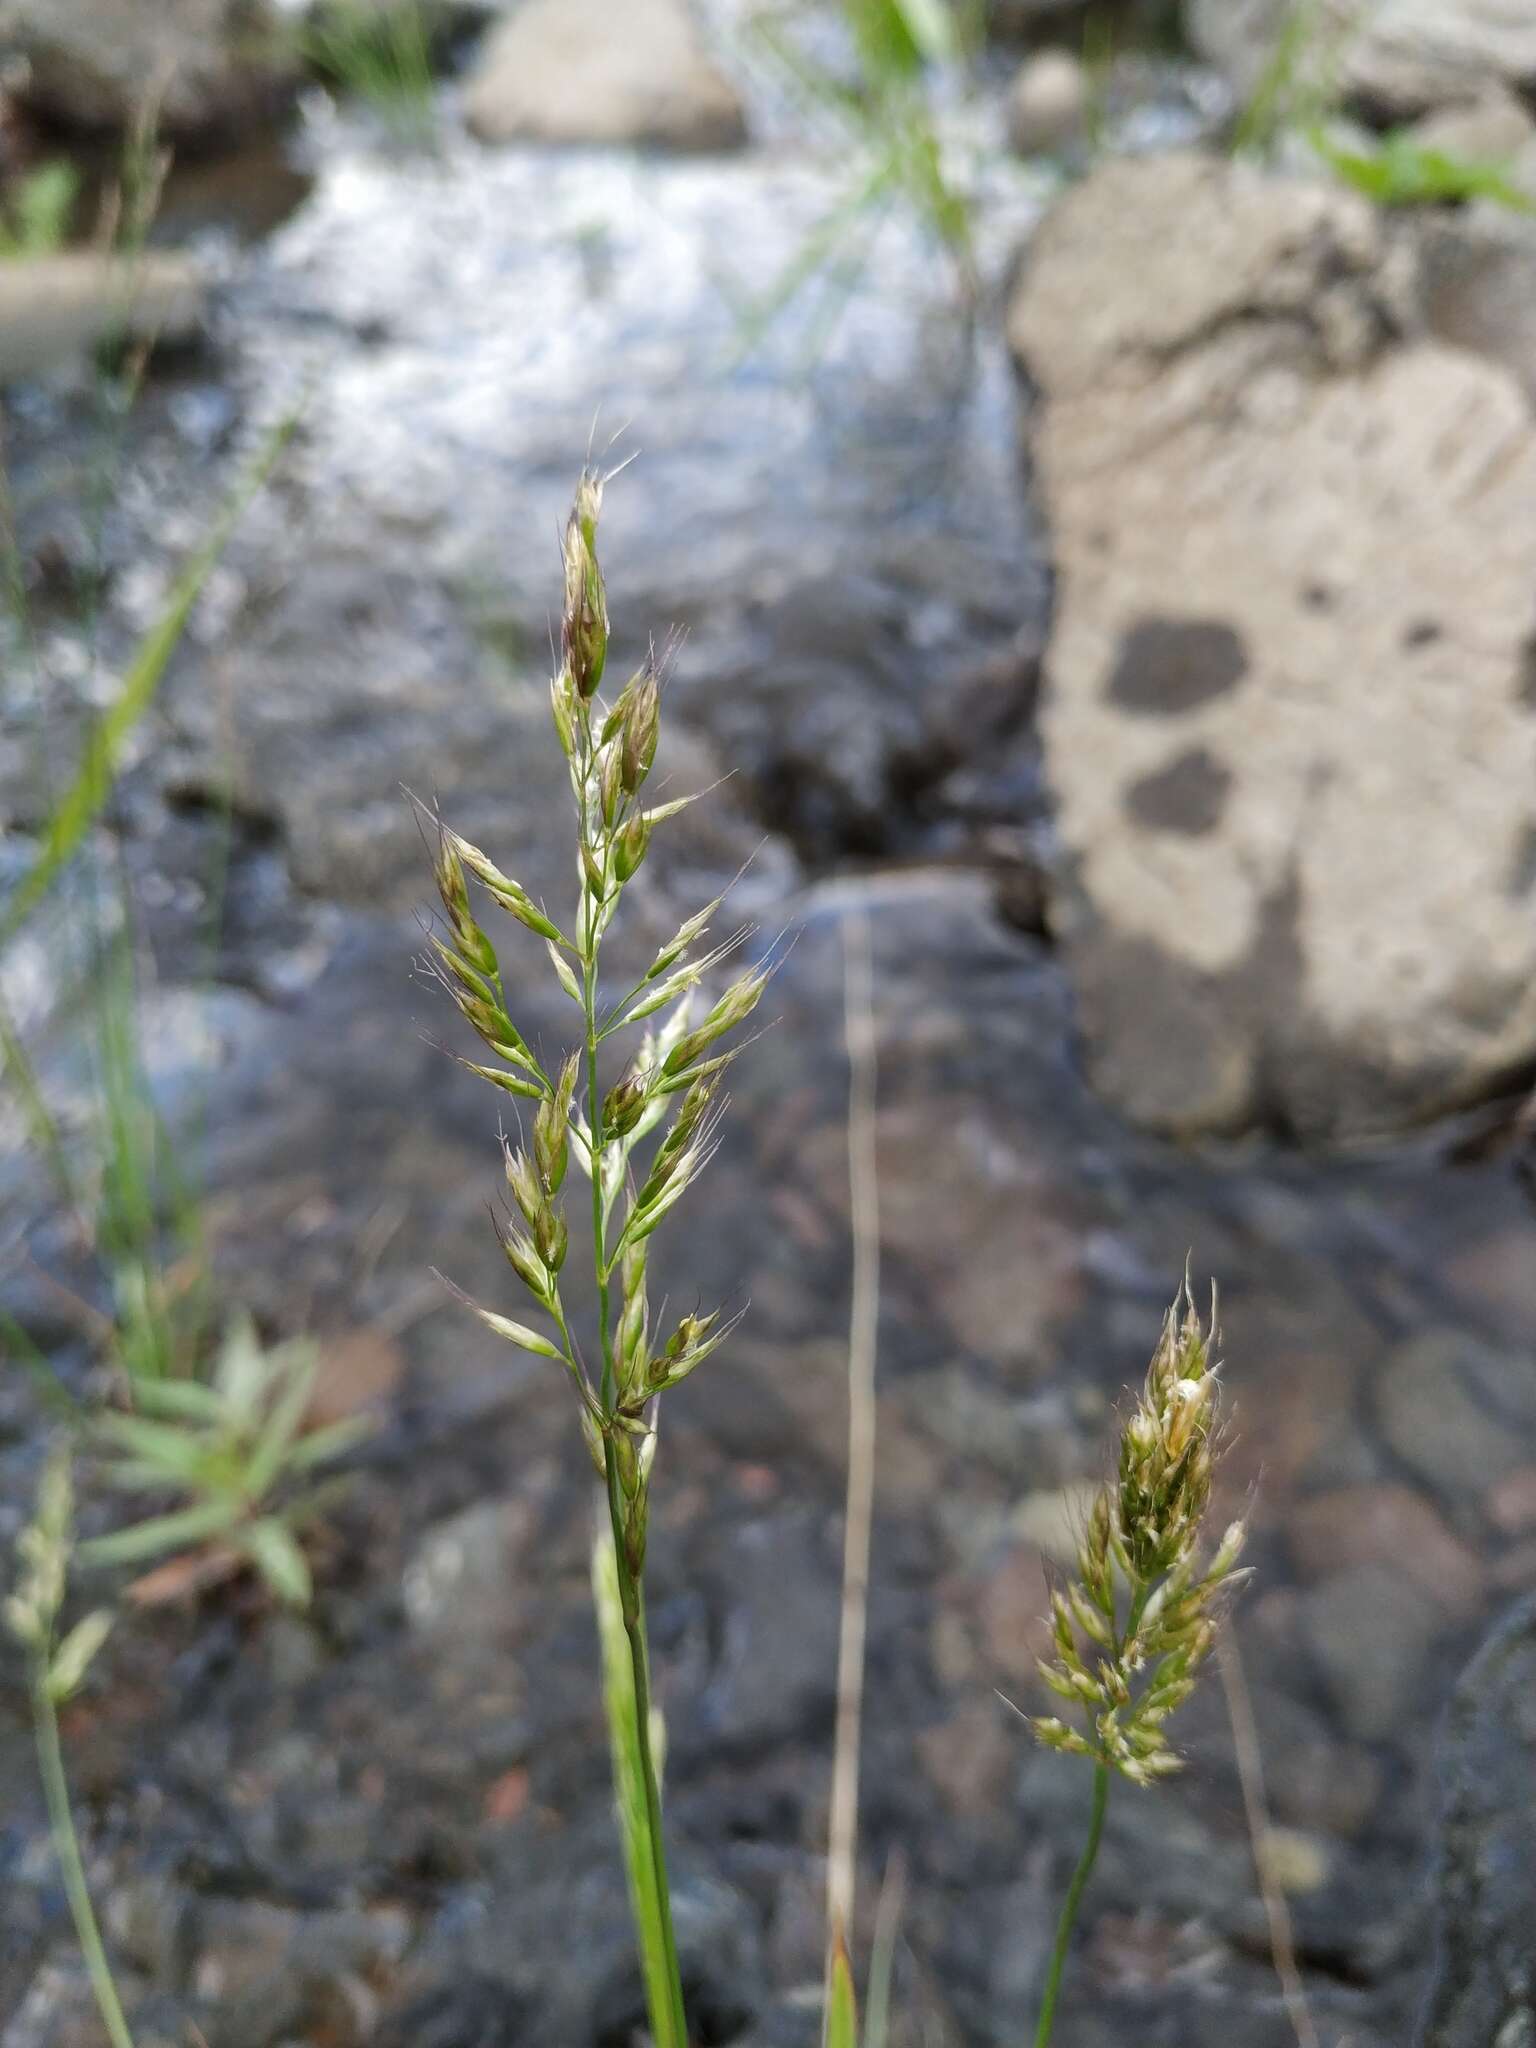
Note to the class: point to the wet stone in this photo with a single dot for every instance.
(775, 1599)
(1388, 1525)
(1512, 1503)
(1485, 1985)
(465, 1573)
(1437, 1417)
(1370, 1628)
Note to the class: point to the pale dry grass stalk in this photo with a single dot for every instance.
(1250, 1773)
(864, 1211)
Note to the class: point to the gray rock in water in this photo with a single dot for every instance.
(203, 66)
(1480, 279)
(586, 71)
(1287, 713)
(1492, 129)
(53, 308)
(1485, 1985)
(1047, 103)
(1395, 57)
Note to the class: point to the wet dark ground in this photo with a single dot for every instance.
(388, 1821)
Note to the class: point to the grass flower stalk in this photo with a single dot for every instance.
(1140, 1617)
(55, 1671)
(641, 1136)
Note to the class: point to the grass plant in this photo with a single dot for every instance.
(55, 1672)
(133, 1206)
(1398, 170)
(584, 1110)
(379, 52)
(884, 114)
(1298, 85)
(1140, 1618)
(1302, 87)
(237, 1452)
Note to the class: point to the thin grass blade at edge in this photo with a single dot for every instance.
(863, 1332)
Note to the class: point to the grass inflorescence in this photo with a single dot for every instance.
(1138, 1620)
(639, 1131)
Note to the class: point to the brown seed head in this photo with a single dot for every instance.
(642, 724)
(584, 631)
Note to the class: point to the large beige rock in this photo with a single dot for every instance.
(53, 308)
(202, 66)
(607, 71)
(1399, 56)
(1479, 268)
(1290, 709)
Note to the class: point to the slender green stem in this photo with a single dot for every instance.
(670, 2027)
(66, 1846)
(668, 2023)
(1073, 1900)
(1084, 1869)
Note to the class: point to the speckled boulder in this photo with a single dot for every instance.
(1289, 719)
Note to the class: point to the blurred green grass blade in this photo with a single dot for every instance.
(283, 1419)
(20, 1350)
(882, 1953)
(841, 2028)
(181, 1455)
(931, 28)
(137, 1475)
(127, 1221)
(180, 1531)
(888, 43)
(629, 1781)
(243, 1374)
(1399, 172)
(82, 802)
(177, 1400)
(41, 1124)
(274, 1550)
(40, 212)
(317, 1446)
(818, 249)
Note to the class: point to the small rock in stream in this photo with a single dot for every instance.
(206, 66)
(587, 71)
(63, 306)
